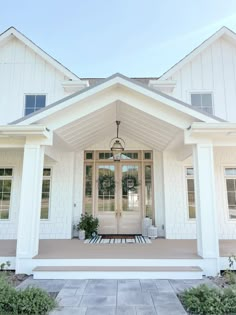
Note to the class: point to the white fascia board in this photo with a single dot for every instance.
(158, 82)
(39, 51)
(122, 82)
(29, 130)
(73, 86)
(223, 31)
(220, 127)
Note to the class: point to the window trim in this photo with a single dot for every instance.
(189, 220)
(225, 198)
(24, 101)
(11, 196)
(202, 92)
(50, 193)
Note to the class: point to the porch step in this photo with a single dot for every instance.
(117, 272)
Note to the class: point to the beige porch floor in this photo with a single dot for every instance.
(158, 249)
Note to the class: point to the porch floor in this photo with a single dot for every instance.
(158, 249)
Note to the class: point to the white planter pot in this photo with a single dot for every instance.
(81, 235)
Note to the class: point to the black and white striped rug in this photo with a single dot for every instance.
(137, 239)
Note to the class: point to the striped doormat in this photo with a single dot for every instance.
(137, 239)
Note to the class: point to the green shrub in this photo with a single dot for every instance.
(31, 301)
(89, 224)
(204, 300)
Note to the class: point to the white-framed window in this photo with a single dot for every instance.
(34, 102)
(202, 100)
(46, 192)
(230, 178)
(6, 176)
(189, 175)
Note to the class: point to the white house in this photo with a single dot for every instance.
(179, 159)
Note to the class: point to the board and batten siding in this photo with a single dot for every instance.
(59, 224)
(22, 71)
(213, 70)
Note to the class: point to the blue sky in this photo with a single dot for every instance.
(96, 38)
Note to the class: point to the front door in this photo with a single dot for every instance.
(118, 198)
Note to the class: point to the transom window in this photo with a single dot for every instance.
(230, 178)
(46, 190)
(190, 191)
(126, 155)
(202, 101)
(34, 103)
(5, 192)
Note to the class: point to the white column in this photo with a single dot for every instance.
(206, 214)
(30, 205)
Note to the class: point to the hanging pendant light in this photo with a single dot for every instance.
(118, 145)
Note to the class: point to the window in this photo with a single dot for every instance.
(34, 103)
(46, 190)
(191, 194)
(202, 101)
(5, 192)
(230, 177)
(88, 202)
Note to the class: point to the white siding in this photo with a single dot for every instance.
(59, 225)
(12, 158)
(224, 157)
(22, 71)
(178, 226)
(213, 70)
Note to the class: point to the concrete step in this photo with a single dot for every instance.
(117, 272)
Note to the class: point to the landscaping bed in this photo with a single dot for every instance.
(30, 301)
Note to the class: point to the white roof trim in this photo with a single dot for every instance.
(221, 32)
(116, 80)
(29, 130)
(56, 64)
(223, 127)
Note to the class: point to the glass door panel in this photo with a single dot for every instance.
(106, 198)
(106, 188)
(130, 199)
(130, 188)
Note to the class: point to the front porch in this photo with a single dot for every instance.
(53, 148)
(158, 249)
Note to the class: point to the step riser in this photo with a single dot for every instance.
(116, 275)
(117, 262)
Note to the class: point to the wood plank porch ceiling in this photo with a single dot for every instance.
(135, 124)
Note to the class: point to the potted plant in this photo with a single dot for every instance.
(87, 226)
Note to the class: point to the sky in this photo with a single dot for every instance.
(138, 38)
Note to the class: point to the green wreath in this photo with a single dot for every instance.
(129, 183)
(106, 185)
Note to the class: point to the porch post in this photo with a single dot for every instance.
(206, 214)
(29, 209)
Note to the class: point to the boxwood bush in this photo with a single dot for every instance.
(31, 301)
(204, 300)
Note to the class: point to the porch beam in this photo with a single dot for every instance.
(29, 209)
(206, 214)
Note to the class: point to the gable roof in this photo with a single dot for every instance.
(223, 31)
(21, 37)
(118, 80)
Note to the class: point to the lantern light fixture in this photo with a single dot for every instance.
(118, 145)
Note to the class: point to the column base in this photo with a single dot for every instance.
(211, 267)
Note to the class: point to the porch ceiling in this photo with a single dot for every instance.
(135, 124)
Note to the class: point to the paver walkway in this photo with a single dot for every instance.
(116, 297)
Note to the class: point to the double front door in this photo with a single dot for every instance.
(118, 198)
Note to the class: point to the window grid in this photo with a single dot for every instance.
(46, 191)
(230, 179)
(202, 101)
(5, 192)
(34, 103)
(191, 193)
